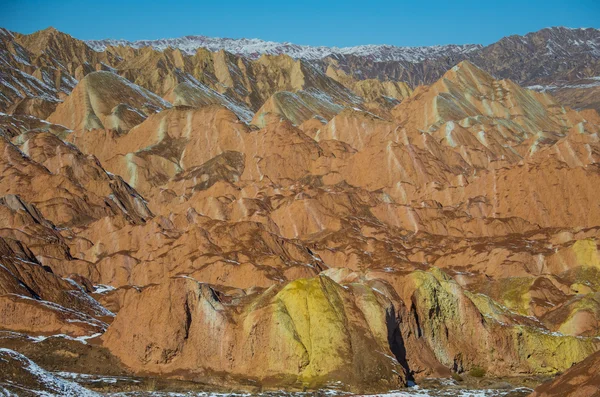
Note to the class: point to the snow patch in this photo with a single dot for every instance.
(254, 48)
(53, 385)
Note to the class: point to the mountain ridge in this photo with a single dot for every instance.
(254, 47)
(551, 59)
(285, 224)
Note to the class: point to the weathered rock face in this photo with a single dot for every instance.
(22, 377)
(548, 60)
(34, 300)
(582, 380)
(104, 100)
(296, 107)
(70, 187)
(196, 94)
(42, 67)
(310, 333)
(466, 330)
(465, 92)
(349, 231)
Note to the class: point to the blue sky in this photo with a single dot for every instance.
(341, 23)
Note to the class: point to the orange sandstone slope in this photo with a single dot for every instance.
(327, 242)
(582, 380)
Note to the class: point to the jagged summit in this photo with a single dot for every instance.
(106, 100)
(51, 30)
(255, 223)
(253, 48)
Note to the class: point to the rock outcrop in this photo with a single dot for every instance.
(23, 377)
(309, 333)
(104, 100)
(264, 224)
(582, 380)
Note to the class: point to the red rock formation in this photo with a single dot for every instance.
(327, 240)
(582, 380)
(309, 333)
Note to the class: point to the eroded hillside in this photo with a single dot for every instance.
(262, 224)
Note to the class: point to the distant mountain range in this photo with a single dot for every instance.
(556, 59)
(254, 48)
(326, 220)
(584, 40)
(563, 61)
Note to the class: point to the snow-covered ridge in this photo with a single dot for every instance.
(50, 384)
(561, 41)
(254, 48)
(588, 82)
(581, 39)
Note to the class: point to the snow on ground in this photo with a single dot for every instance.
(416, 392)
(253, 48)
(241, 110)
(587, 82)
(41, 338)
(93, 378)
(73, 315)
(82, 339)
(101, 288)
(65, 384)
(561, 41)
(412, 392)
(146, 94)
(52, 386)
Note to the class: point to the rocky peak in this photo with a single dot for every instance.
(276, 222)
